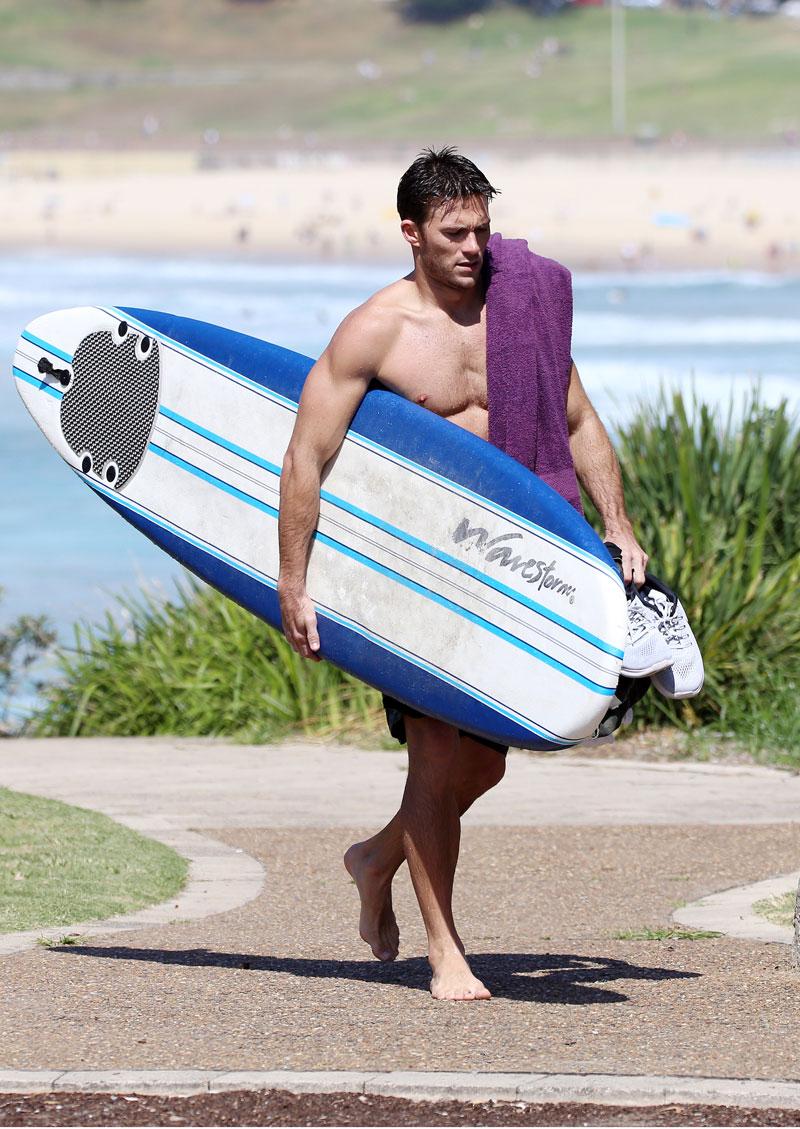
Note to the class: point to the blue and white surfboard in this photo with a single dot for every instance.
(443, 572)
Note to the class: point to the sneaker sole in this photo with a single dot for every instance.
(677, 697)
(645, 672)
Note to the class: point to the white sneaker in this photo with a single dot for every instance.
(646, 650)
(684, 679)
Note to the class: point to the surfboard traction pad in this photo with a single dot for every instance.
(110, 407)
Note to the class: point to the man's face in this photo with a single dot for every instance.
(452, 240)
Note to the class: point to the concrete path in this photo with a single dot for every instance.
(731, 911)
(571, 871)
(190, 783)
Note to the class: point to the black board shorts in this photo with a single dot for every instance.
(396, 713)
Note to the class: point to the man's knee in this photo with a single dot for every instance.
(493, 769)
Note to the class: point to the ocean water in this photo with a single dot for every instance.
(65, 554)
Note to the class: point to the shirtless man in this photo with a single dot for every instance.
(424, 337)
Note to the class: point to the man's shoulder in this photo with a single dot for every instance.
(379, 312)
(370, 328)
(387, 302)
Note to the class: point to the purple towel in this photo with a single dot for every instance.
(528, 361)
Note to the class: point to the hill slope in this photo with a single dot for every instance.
(127, 72)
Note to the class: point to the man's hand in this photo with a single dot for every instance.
(634, 558)
(299, 621)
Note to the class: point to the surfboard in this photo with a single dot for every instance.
(443, 572)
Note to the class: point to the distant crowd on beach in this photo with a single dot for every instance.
(648, 207)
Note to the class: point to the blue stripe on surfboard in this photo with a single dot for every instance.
(37, 382)
(210, 362)
(48, 348)
(552, 616)
(269, 393)
(284, 360)
(459, 490)
(401, 535)
(397, 577)
(475, 710)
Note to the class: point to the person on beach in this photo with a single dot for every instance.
(425, 337)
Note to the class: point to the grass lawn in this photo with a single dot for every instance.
(60, 865)
(778, 910)
(353, 71)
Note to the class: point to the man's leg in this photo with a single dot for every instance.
(445, 769)
(431, 822)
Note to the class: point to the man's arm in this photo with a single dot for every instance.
(333, 390)
(598, 470)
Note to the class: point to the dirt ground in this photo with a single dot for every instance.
(274, 1107)
(550, 917)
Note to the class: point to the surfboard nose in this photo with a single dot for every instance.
(42, 370)
(91, 383)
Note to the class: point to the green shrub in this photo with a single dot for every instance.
(196, 666)
(715, 500)
(22, 643)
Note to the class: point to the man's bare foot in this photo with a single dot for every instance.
(453, 980)
(377, 924)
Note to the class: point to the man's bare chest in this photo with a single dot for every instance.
(442, 368)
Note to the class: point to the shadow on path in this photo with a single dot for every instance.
(564, 978)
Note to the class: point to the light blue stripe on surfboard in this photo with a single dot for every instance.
(401, 535)
(270, 394)
(37, 382)
(357, 628)
(495, 507)
(467, 569)
(34, 340)
(354, 436)
(438, 673)
(398, 578)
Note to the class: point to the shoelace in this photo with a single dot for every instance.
(675, 629)
(637, 620)
(672, 624)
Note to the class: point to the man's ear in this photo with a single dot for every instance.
(411, 232)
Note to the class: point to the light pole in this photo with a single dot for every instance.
(618, 115)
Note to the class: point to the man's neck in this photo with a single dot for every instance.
(461, 304)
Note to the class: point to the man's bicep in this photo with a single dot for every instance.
(329, 401)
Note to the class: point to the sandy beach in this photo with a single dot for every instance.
(646, 208)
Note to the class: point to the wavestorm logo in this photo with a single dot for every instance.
(497, 551)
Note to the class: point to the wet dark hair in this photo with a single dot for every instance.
(439, 176)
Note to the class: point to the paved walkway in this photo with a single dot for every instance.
(195, 783)
(566, 866)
